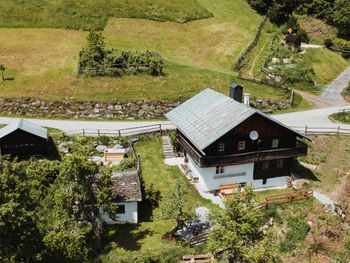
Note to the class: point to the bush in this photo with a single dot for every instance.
(175, 141)
(126, 164)
(96, 60)
(303, 35)
(328, 42)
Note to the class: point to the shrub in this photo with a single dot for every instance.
(175, 141)
(328, 42)
(303, 35)
(126, 164)
(96, 60)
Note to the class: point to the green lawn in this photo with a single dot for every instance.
(341, 117)
(146, 238)
(89, 14)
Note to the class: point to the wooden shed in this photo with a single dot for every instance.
(114, 155)
(23, 139)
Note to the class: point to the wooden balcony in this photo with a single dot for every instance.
(241, 158)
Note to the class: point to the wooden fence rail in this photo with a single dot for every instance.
(199, 239)
(312, 130)
(203, 258)
(117, 132)
(306, 130)
(285, 198)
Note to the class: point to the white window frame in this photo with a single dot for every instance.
(221, 147)
(275, 143)
(241, 145)
(219, 169)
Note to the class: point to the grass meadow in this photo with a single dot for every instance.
(87, 14)
(197, 54)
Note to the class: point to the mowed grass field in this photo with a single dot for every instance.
(197, 54)
(88, 14)
(213, 43)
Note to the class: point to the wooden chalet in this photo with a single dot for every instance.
(228, 142)
(23, 139)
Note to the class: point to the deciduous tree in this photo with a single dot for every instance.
(235, 231)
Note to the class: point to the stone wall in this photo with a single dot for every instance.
(106, 110)
(86, 109)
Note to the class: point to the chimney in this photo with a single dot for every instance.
(236, 92)
(246, 99)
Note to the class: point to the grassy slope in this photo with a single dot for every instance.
(43, 61)
(340, 117)
(86, 14)
(326, 64)
(211, 43)
(147, 237)
(329, 153)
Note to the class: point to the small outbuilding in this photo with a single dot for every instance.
(126, 192)
(24, 140)
(293, 41)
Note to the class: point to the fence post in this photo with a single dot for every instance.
(160, 129)
(83, 132)
(119, 133)
(305, 130)
(98, 132)
(338, 130)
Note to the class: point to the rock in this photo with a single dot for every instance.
(141, 113)
(101, 148)
(275, 60)
(118, 107)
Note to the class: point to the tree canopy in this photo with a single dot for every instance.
(235, 231)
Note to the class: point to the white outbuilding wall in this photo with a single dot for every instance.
(130, 216)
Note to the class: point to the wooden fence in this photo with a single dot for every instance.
(136, 158)
(240, 61)
(310, 130)
(203, 258)
(117, 132)
(197, 240)
(285, 198)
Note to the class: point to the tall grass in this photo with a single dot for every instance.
(87, 14)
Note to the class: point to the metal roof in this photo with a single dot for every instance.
(209, 115)
(26, 126)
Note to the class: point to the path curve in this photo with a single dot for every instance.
(332, 95)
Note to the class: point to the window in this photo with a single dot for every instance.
(221, 147)
(279, 163)
(265, 165)
(241, 145)
(220, 169)
(121, 209)
(229, 175)
(275, 143)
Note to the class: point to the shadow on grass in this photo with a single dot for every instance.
(304, 173)
(125, 236)
(150, 201)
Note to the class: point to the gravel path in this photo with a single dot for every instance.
(324, 199)
(332, 94)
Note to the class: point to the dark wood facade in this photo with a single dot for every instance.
(23, 145)
(275, 143)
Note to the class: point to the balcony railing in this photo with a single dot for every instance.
(240, 158)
